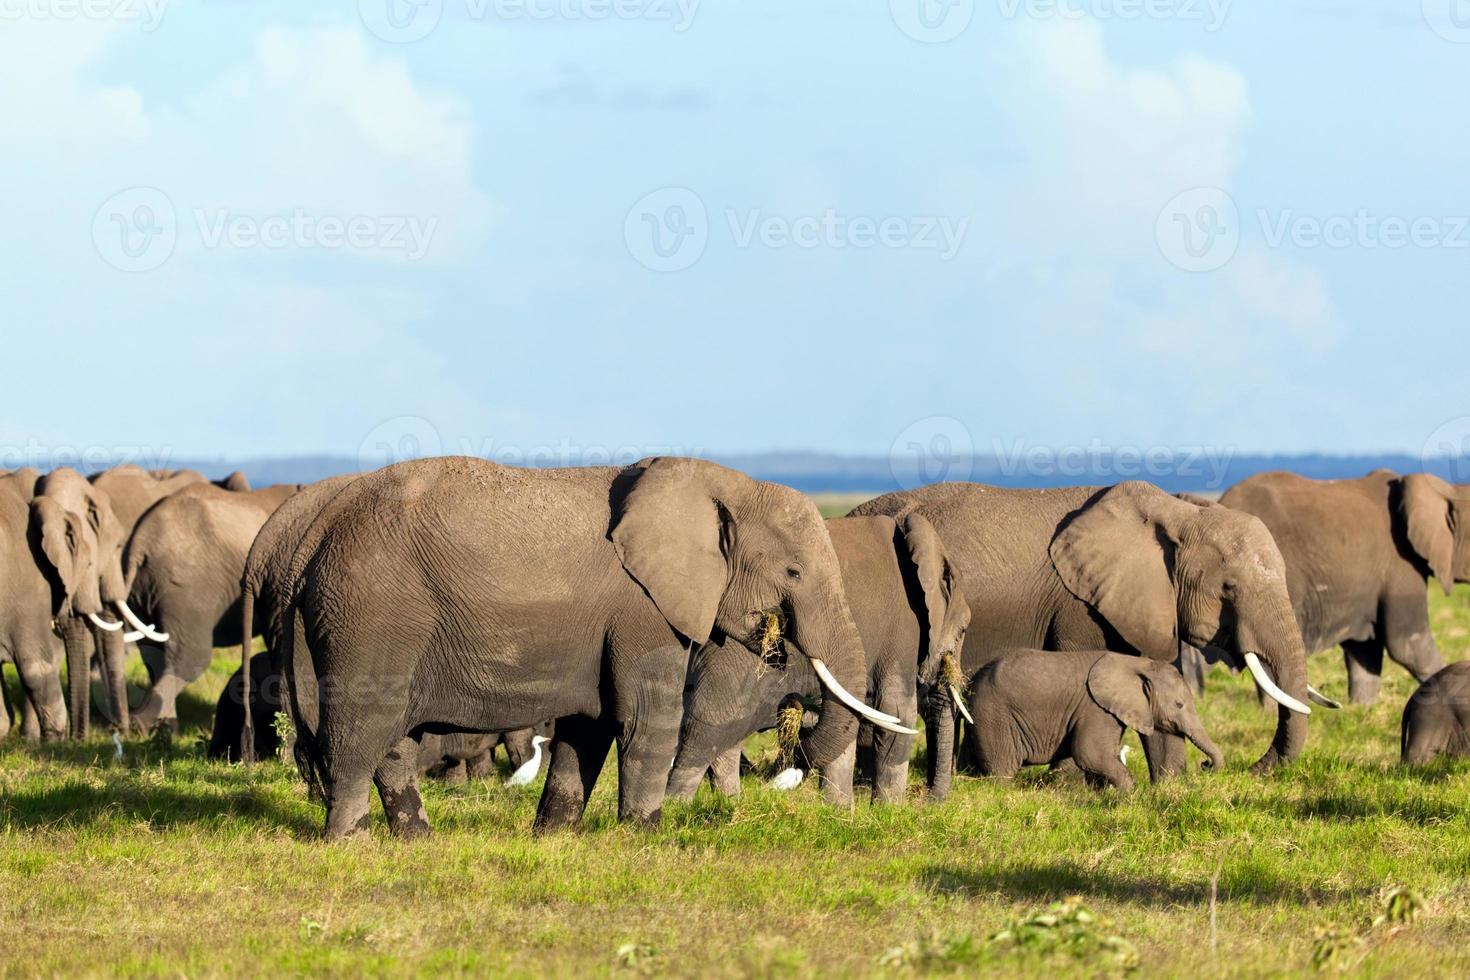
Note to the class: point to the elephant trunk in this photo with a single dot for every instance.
(939, 732)
(1215, 759)
(78, 640)
(1273, 640)
(837, 656)
(114, 659)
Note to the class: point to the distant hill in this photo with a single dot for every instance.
(815, 472)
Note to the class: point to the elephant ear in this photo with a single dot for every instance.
(1197, 500)
(670, 536)
(60, 534)
(937, 576)
(1122, 689)
(1424, 505)
(1117, 555)
(236, 482)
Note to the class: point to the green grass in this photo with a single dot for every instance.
(166, 863)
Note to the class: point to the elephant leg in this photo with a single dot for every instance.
(891, 751)
(1364, 661)
(1165, 754)
(5, 723)
(1406, 633)
(650, 709)
(518, 747)
(44, 714)
(1193, 666)
(577, 757)
(397, 780)
(481, 766)
(348, 803)
(837, 778)
(724, 773)
(30, 719)
(453, 772)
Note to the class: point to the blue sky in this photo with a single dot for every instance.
(504, 174)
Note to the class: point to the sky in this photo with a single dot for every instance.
(257, 228)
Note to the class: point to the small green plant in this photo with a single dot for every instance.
(1340, 948)
(285, 735)
(1068, 928)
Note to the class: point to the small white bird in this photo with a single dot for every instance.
(787, 779)
(1123, 754)
(117, 752)
(532, 766)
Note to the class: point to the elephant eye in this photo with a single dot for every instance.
(1179, 704)
(793, 572)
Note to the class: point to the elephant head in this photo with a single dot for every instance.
(725, 556)
(1161, 570)
(1148, 697)
(1436, 521)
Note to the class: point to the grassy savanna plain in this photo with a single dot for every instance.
(165, 863)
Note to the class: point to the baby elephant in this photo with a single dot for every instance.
(1437, 717)
(1035, 707)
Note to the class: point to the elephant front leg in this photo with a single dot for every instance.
(837, 777)
(891, 750)
(1165, 754)
(577, 757)
(650, 712)
(724, 772)
(397, 780)
(1364, 662)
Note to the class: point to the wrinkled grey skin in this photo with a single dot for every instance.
(909, 611)
(1437, 717)
(456, 594)
(462, 756)
(1358, 554)
(182, 567)
(1036, 707)
(64, 497)
(1127, 568)
(47, 562)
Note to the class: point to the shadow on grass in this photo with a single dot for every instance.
(1058, 879)
(79, 804)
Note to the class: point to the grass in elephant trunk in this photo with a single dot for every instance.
(167, 863)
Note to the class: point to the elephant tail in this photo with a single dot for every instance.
(247, 634)
(300, 700)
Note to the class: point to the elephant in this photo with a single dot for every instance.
(1437, 717)
(1037, 707)
(455, 594)
(1358, 556)
(48, 564)
(182, 571)
(1127, 568)
(910, 613)
(229, 711)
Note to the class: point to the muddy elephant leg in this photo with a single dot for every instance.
(1364, 662)
(724, 772)
(1165, 754)
(397, 780)
(837, 778)
(577, 757)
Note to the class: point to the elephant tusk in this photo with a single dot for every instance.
(138, 624)
(882, 720)
(1322, 699)
(103, 624)
(132, 636)
(1258, 671)
(787, 779)
(959, 704)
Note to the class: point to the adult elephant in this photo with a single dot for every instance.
(48, 564)
(1127, 568)
(910, 613)
(454, 594)
(1358, 557)
(182, 568)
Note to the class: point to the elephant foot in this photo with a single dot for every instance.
(643, 821)
(556, 812)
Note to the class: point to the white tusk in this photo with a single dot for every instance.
(787, 779)
(841, 693)
(1322, 699)
(1269, 686)
(103, 624)
(959, 704)
(532, 766)
(132, 636)
(139, 625)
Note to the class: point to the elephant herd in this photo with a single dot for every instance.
(418, 616)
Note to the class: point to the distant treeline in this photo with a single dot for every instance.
(1204, 471)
